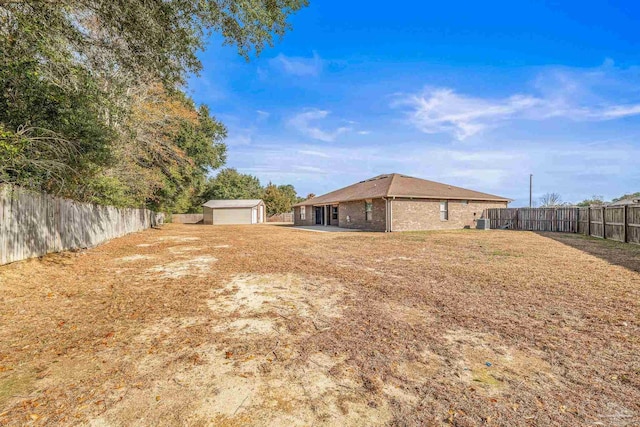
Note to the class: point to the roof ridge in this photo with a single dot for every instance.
(400, 185)
(393, 177)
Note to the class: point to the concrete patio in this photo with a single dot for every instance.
(324, 228)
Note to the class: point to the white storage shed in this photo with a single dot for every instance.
(246, 211)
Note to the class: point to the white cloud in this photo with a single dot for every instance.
(620, 111)
(314, 153)
(309, 169)
(575, 169)
(303, 122)
(594, 95)
(443, 110)
(364, 132)
(262, 115)
(297, 65)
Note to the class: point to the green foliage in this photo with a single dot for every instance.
(50, 135)
(202, 141)
(593, 201)
(158, 39)
(230, 184)
(89, 100)
(279, 198)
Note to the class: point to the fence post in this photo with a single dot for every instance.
(624, 223)
(604, 223)
(589, 221)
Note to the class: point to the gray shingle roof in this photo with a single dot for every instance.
(242, 203)
(397, 185)
(629, 201)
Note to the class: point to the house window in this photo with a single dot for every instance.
(368, 210)
(465, 202)
(303, 212)
(334, 212)
(444, 211)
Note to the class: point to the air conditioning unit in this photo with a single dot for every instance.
(482, 224)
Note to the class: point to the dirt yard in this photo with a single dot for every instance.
(267, 325)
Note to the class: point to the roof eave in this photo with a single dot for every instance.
(482, 199)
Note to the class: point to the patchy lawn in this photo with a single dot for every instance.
(266, 325)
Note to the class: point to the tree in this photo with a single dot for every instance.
(145, 38)
(289, 193)
(276, 200)
(593, 201)
(230, 184)
(550, 200)
(90, 105)
(310, 196)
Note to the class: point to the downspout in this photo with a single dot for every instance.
(386, 214)
(391, 214)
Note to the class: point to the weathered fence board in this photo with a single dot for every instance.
(596, 223)
(537, 219)
(34, 224)
(283, 217)
(633, 224)
(194, 218)
(620, 223)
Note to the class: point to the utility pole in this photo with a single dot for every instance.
(530, 190)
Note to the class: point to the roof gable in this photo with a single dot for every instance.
(397, 185)
(372, 188)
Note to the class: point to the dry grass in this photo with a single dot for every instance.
(265, 325)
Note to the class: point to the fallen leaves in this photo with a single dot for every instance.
(573, 303)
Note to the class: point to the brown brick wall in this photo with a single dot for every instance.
(422, 214)
(355, 212)
(310, 216)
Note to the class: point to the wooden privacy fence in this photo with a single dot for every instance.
(283, 217)
(34, 224)
(194, 218)
(620, 223)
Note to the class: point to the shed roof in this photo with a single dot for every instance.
(629, 201)
(397, 185)
(241, 203)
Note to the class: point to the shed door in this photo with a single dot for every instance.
(260, 214)
(254, 215)
(232, 216)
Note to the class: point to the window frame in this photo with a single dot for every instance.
(368, 210)
(334, 212)
(444, 213)
(303, 213)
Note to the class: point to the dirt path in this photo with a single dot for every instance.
(264, 325)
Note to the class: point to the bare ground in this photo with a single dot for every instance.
(266, 325)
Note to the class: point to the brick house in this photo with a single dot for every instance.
(395, 202)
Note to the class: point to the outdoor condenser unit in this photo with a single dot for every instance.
(482, 224)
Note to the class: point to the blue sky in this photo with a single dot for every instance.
(474, 94)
